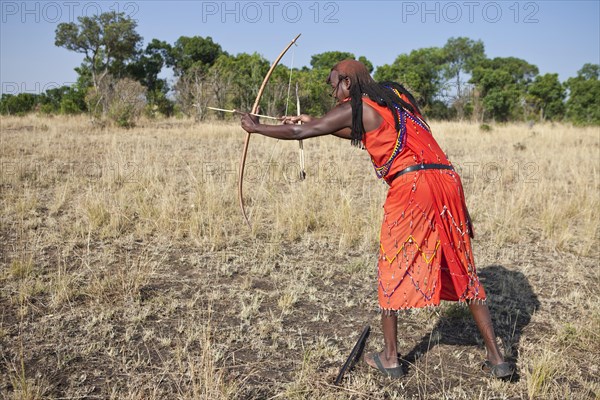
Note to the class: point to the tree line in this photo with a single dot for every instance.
(119, 80)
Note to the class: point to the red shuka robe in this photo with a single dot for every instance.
(425, 245)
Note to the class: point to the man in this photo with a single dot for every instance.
(425, 241)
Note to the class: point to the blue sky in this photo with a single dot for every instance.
(557, 36)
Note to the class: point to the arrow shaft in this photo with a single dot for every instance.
(241, 113)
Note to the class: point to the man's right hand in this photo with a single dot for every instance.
(294, 119)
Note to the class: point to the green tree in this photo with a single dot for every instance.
(419, 71)
(546, 95)
(222, 76)
(73, 100)
(231, 82)
(51, 99)
(191, 59)
(108, 41)
(146, 69)
(501, 96)
(367, 63)
(18, 104)
(589, 71)
(193, 52)
(63, 100)
(314, 93)
(328, 59)
(501, 85)
(461, 56)
(583, 104)
(248, 73)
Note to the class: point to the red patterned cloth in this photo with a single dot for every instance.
(425, 245)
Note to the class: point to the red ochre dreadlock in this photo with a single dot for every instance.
(382, 93)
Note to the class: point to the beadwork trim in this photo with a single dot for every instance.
(415, 310)
(382, 171)
(414, 118)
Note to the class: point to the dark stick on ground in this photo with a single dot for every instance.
(355, 354)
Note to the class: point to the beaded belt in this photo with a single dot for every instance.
(419, 167)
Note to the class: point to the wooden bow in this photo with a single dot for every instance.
(247, 141)
(300, 143)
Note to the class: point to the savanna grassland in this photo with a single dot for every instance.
(127, 271)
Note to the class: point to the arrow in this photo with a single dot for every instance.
(242, 113)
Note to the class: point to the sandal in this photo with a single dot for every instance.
(395, 372)
(503, 370)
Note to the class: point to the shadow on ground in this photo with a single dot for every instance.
(512, 302)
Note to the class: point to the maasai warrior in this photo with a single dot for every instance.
(425, 242)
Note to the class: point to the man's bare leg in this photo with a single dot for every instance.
(481, 314)
(389, 355)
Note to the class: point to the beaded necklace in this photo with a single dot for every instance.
(382, 171)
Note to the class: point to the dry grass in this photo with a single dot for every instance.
(127, 271)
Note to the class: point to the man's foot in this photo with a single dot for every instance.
(503, 370)
(391, 367)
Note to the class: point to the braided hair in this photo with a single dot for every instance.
(383, 93)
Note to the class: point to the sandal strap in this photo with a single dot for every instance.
(393, 372)
(501, 370)
(379, 364)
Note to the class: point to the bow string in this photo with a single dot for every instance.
(247, 140)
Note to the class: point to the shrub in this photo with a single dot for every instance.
(120, 101)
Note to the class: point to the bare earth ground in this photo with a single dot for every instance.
(127, 272)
